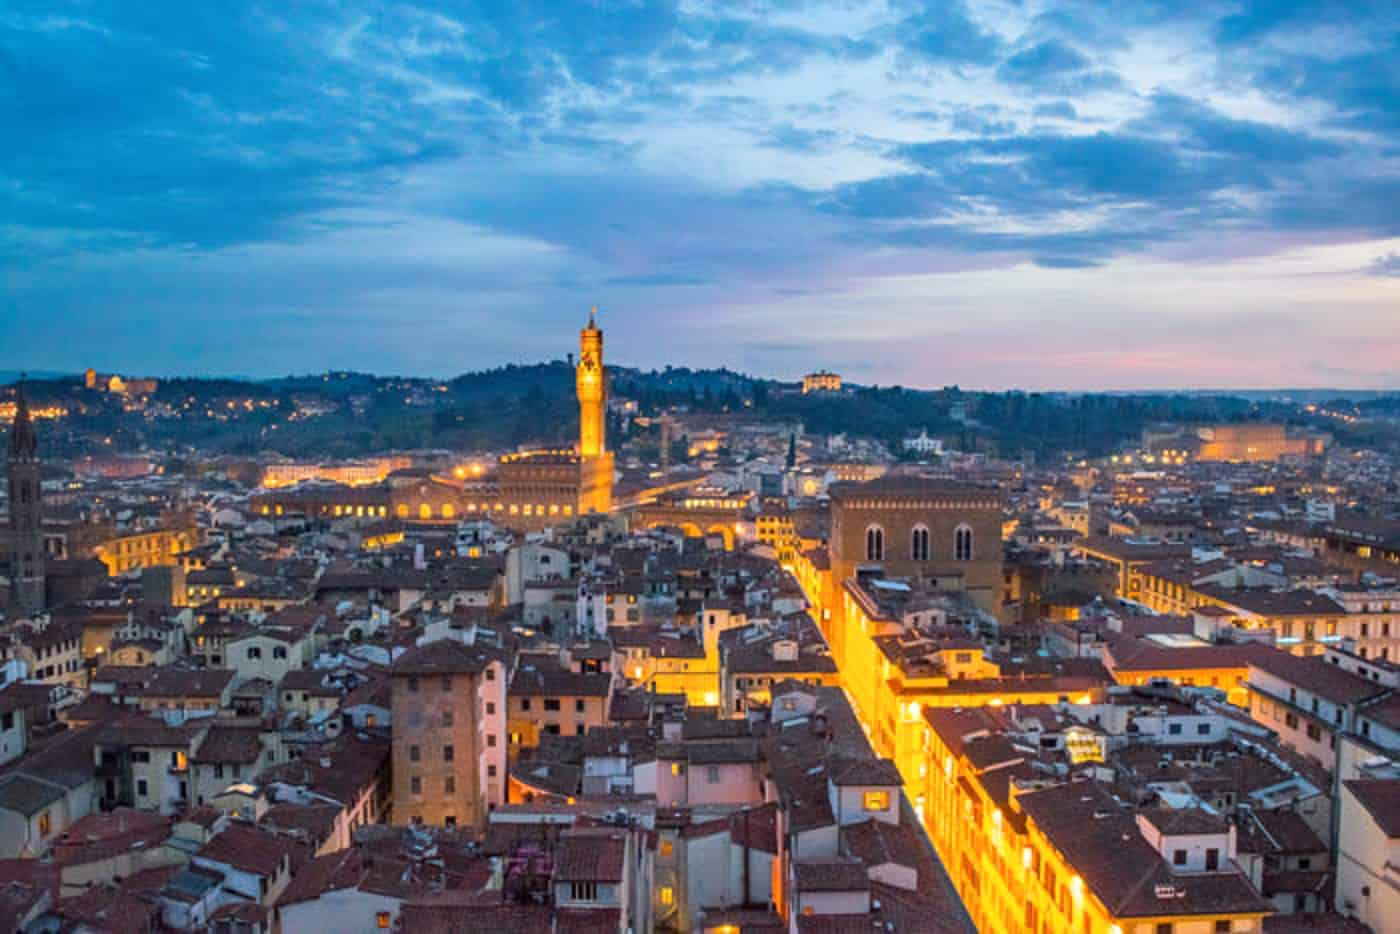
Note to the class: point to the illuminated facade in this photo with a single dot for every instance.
(138, 550)
(352, 473)
(1063, 858)
(527, 490)
(821, 381)
(1254, 443)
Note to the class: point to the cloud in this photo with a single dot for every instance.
(945, 32)
(329, 173)
(1053, 66)
(1387, 265)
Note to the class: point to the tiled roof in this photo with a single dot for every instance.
(592, 855)
(1381, 799)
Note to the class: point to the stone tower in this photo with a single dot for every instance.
(26, 514)
(592, 391)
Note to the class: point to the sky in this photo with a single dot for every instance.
(1073, 195)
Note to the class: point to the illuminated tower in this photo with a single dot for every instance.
(26, 513)
(592, 391)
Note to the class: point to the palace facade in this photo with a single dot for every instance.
(528, 490)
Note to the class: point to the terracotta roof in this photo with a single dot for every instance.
(834, 875)
(1381, 799)
(1319, 676)
(248, 849)
(443, 656)
(591, 855)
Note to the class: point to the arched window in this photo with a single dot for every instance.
(962, 544)
(918, 543)
(874, 543)
(448, 512)
(425, 511)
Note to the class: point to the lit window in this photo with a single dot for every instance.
(668, 896)
(382, 920)
(876, 800)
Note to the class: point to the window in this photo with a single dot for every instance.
(677, 768)
(447, 718)
(712, 774)
(874, 543)
(1202, 729)
(667, 848)
(450, 820)
(491, 740)
(668, 896)
(415, 785)
(876, 801)
(449, 785)
(551, 704)
(448, 753)
(1178, 857)
(1212, 859)
(413, 754)
(141, 787)
(1164, 927)
(279, 651)
(1222, 926)
(254, 652)
(490, 708)
(918, 543)
(382, 920)
(962, 543)
(583, 891)
(1174, 729)
(490, 771)
(578, 705)
(490, 674)
(413, 684)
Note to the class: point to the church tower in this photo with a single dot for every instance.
(26, 513)
(592, 391)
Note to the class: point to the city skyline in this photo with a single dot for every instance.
(991, 195)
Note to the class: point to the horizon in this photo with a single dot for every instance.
(10, 378)
(1046, 196)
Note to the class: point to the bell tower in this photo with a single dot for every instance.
(592, 390)
(26, 513)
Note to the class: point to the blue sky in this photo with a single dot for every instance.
(1046, 195)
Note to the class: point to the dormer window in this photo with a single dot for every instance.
(876, 801)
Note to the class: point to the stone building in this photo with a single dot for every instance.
(449, 744)
(923, 528)
(26, 531)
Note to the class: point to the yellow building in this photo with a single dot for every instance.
(1027, 854)
(821, 381)
(145, 549)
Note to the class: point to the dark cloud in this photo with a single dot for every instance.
(1053, 66)
(1387, 265)
(945, 32)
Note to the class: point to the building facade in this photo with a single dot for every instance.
(26, 514)
(922, 528)
(449, 744)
